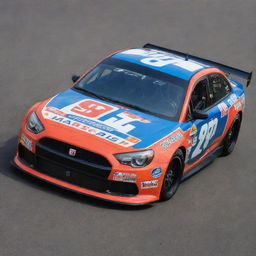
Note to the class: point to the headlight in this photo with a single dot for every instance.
(34, 124)
(136, 159)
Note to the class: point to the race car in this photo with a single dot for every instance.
(135, 125)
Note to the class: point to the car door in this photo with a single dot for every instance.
(220, 92)
(205, 131)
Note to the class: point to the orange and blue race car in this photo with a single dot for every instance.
(135, 125)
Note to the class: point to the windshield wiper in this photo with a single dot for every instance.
(91, 93)
(129, 105)
(114, 101)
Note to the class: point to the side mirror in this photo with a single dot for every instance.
(75, 78)
(197, 114)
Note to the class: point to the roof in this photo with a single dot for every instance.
(162, 61)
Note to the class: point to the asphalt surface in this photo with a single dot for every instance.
(41, 44)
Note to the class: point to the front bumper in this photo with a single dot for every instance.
(133, 200)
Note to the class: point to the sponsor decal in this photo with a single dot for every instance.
(83, 115)
(105, 135)
(175, 137)
(223, 109)
(156, 173)
(232, 99)
(194, 141)
(54, 111)
(238, 105)
(133, 139)
(26, 142)
(72, 152)
(125, 177)
(149, 184)
(193, 130)
(94, 110)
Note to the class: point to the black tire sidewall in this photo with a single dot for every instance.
(166, 195)
(226, 146)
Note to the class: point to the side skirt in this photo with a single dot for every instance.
(210, 158)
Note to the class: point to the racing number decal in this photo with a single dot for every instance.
(122, 121)
(160, 62)
(160, 59)
(207, 131)
(90, 108)
(97, 111)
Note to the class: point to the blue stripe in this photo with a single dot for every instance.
(170, 69)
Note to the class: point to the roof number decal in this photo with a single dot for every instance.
(159, 59)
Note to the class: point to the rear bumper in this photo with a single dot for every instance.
(131, 200)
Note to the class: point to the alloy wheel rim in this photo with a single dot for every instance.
(232, 136)
(172, 174)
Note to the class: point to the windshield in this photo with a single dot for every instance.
(136, 87)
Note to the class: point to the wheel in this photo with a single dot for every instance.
(172, 176)
(231, 137)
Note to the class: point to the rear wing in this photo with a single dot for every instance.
(227, 69)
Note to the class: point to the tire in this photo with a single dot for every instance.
(231, 137)
(173, 176)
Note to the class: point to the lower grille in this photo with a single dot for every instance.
(79, 177)
(26, 156)
(61, 148)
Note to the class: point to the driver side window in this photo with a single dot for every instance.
(219, 87)
(199, 97)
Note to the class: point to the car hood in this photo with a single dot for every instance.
(119, 125)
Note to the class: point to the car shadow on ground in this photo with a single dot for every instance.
(7, 152)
